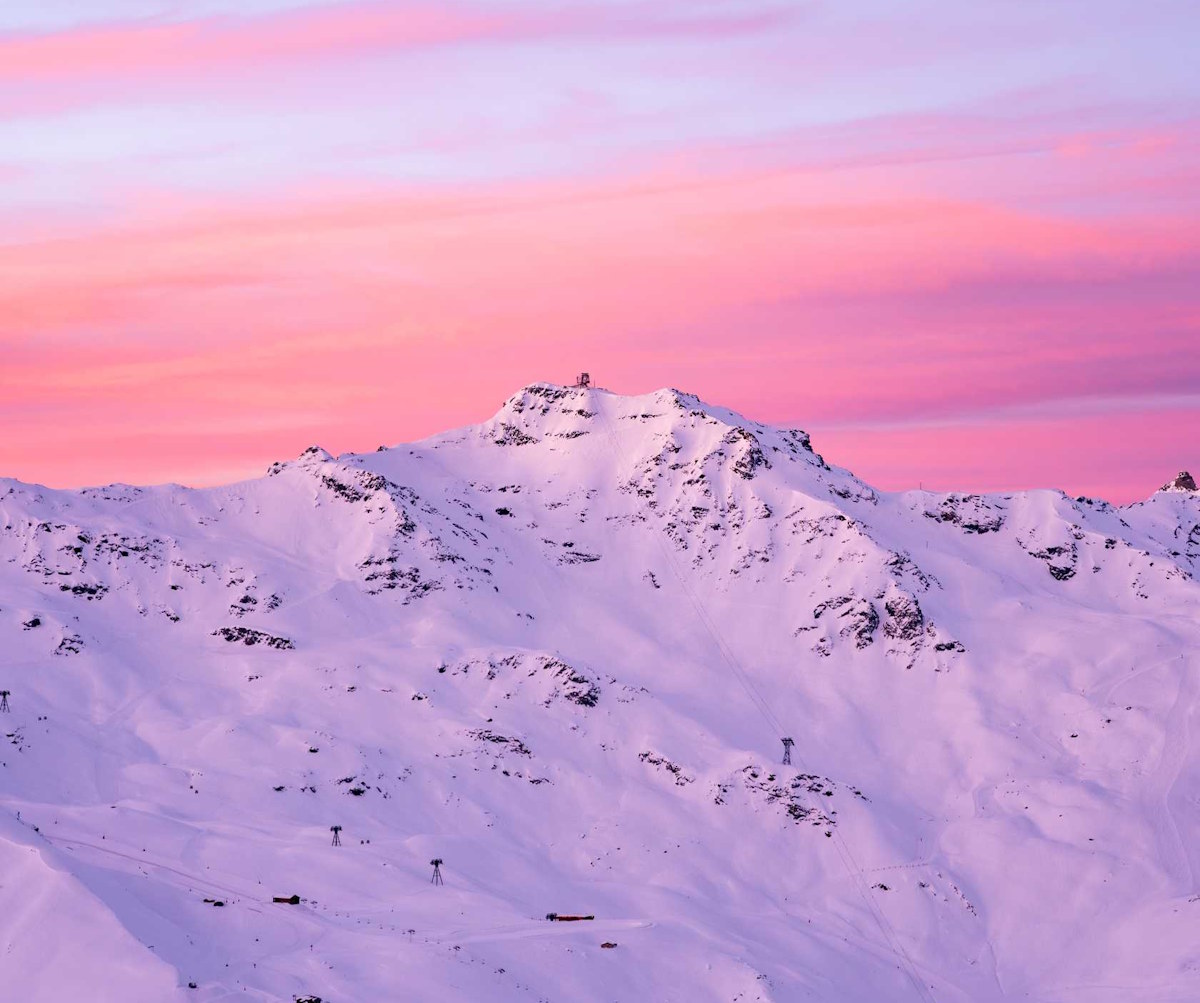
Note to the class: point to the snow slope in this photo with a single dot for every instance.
(559, 651)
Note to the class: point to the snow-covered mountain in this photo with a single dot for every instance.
(559, 651)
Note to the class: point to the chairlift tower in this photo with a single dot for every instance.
(787, 751)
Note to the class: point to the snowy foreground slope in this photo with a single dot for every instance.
(559, 651)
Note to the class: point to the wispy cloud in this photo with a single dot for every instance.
(863, 218)
(342, 31)
(952, 305)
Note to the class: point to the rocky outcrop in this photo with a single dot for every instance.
(251, 637)
(857, 618)
(1182, 482)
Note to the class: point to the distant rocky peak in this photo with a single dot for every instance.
(316, 453)
(544, 398)
(313, 455)
(1183, 482)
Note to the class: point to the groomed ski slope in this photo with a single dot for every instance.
(559, 650)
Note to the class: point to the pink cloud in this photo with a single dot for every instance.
(141, 48)
(132, 49)
(758, 234)
(907, 284)
(878, 304)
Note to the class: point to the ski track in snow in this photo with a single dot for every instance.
(1176, 749)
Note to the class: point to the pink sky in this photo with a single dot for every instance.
(966, 257)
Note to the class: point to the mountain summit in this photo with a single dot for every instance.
(1183, 482)
(558, 652)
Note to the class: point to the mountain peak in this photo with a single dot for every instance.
(1182, 482)
(545, 399)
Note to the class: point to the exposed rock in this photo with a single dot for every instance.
(970, 513)
(905, 621)
(662, 763)
(510, 744)
(1183, 482)
(251, 637)
(860, 616)
(510, 435)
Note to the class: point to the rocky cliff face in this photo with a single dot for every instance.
(560, 650)
(1182, 482)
